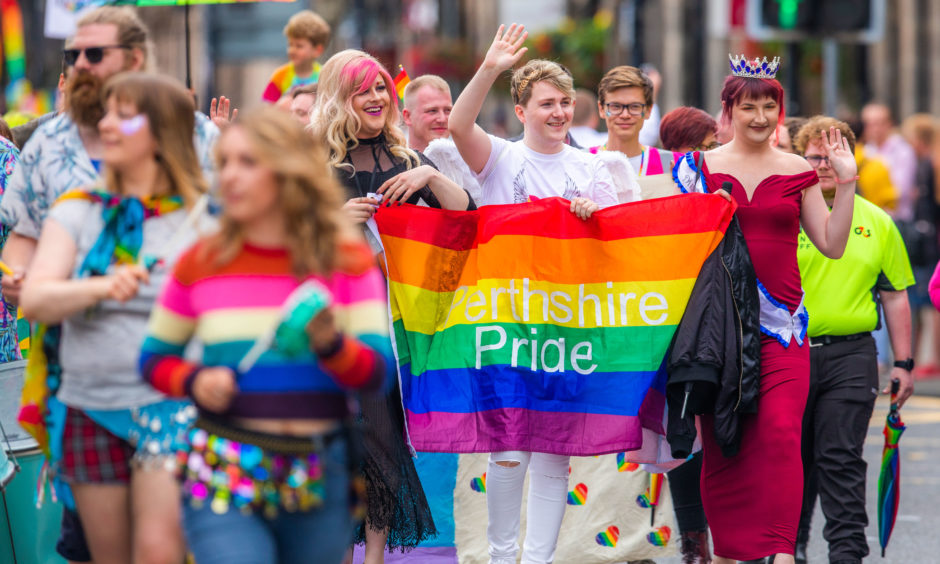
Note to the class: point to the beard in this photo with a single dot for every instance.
(83, 98)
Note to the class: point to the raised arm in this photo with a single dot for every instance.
(471, 140)
(829, 231)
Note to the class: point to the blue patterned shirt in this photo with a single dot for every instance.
(9, 343)
(55, 161)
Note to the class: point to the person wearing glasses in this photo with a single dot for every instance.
(625, 98)
(687, 129)
(66, 153)
(842, 298)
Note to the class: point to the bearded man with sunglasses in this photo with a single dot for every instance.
(64, 153)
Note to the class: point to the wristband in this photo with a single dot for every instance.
(846, 181)
(907, 364)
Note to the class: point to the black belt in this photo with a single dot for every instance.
(275, 443)
(822, 340)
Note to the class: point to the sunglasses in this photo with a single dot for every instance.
(93, 54)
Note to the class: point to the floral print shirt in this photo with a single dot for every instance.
(54, 161)
(9, 343)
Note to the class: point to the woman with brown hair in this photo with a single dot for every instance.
(267, 464)
(100, 260)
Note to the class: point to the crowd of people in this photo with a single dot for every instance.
(153, 246)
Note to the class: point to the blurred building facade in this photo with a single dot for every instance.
(235, 47)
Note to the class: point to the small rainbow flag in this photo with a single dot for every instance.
(523, 327)
(401, 81)
(578, 496)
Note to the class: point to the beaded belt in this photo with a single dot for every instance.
(252, 471)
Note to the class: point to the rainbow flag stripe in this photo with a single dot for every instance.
(401, 80)
(522, 327)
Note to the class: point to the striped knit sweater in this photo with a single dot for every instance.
(226, 308)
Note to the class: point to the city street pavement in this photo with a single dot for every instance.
(915, 539)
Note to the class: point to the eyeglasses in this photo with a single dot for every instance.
(615, 109)
(816, 160)
(711, 146)
(93, 54)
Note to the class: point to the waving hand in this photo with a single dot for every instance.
(507, 48)
(840, 155)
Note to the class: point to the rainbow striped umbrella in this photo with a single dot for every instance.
(889, 480)
(656, 489)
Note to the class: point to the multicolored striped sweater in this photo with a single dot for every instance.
(285, 78)
(228, 307)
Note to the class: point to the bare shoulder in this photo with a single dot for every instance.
(793, 164)
(718, 158)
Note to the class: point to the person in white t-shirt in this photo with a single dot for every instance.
(540, 165)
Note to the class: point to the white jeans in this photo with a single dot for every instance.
(548, 494)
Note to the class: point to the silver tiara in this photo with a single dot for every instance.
(757, 68)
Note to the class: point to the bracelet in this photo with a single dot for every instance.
(846, 181)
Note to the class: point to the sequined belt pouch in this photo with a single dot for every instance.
(260, 472)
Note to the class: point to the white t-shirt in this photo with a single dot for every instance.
(514, 173)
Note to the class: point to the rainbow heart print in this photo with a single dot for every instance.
(623, 465)
(608, 537)
(479, 484)
(660, 536)
(578, 496)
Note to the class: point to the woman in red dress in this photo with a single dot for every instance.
(752, 500)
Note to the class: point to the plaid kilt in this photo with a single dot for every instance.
(91, 454)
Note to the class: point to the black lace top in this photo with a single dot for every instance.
(374, 164)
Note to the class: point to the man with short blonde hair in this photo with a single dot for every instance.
(427, 106)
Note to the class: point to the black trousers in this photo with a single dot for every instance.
(842, 393)
(685, 487)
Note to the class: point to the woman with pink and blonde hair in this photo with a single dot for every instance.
(357, 116)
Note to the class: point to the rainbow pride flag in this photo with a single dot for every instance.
(522, 327)
(14, 52)
(401, 80)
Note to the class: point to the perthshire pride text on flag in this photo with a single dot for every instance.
(522, 327)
